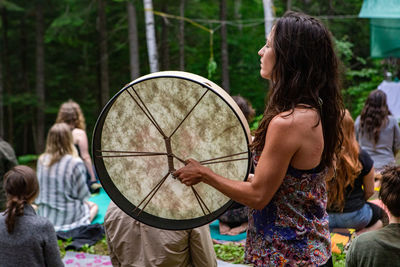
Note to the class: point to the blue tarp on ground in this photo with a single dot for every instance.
(102, 200)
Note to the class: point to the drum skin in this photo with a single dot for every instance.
(149, 128)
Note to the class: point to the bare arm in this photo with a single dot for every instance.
(269, 174)
(368, 183)
(82, 141)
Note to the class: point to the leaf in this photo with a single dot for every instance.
(211, 67)
(10, 6)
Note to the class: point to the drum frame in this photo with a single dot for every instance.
(122, 202)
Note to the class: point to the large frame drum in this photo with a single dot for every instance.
(149, 128)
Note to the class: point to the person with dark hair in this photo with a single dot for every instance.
(352, 185)
(381, 247)
(294, 147)
(245, 106)
(63, 196)
(25, 238)
(377, 131)
(7, 161)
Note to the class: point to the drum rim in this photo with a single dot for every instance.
(121, 201)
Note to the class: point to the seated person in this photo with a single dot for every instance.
(62, 178)
(352, 185)
(132, 243)
(381, 247)
(71, 113)
(25, 238)
(234, 220)
(7, 161)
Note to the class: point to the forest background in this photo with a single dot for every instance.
(87, 50)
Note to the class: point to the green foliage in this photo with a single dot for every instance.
(10, 6)
(361, 76)
(88, 249)
(26, 159)
(72, 54)
(339, 259)
(62, 245)
(211, 67)
(255, 122)
(230, 252)
(344, 49)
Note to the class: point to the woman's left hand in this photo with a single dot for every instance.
(193, 173)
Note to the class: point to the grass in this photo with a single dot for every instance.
(229, 252)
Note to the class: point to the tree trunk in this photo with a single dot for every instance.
(25, 84)
(150, 35)
(224, 47)
(288, 5)
(268, 16)
(238, 15)
(6, 82)
(133, 41)
(182, 36)
(164, 39)
(102, 27)
(40, 89)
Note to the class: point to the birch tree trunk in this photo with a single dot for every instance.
(182, 36)
(40, 78)
(104, 79)
(268, 16)
(151, 35)
(224, 47)
(133, 41)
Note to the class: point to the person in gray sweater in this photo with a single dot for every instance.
(25, 238)
(377, 131)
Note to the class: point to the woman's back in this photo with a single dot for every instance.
(63, 190)
(383, 152)
(32, 243)
(296, 216)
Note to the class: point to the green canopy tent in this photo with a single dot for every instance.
(384, 18)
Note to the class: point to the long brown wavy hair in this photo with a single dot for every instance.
(59, 143)
(348, 166)
(305, 72)
(71, 113)
(374, 115)
(21, 186)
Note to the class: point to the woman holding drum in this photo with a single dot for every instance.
(294, 147)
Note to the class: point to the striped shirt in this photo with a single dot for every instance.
(63, 192)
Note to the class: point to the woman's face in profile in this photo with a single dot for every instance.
(267, 55)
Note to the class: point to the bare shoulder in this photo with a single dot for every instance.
(299, 118)
(78, 132)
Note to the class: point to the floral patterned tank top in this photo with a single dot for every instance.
(292, 230)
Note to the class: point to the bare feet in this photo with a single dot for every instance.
(239, 229)
(223, 228)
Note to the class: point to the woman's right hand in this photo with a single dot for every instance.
(192, 173)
